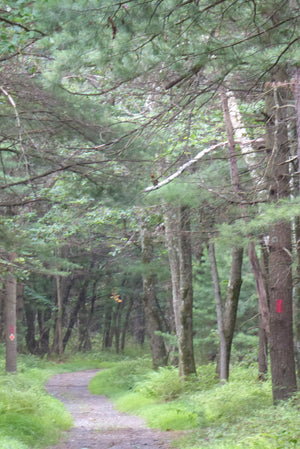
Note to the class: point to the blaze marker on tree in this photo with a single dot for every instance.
(279, 306)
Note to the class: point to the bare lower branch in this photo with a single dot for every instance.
(184, 167)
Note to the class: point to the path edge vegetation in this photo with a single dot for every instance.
(205, 413)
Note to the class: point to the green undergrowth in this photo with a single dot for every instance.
(29, 417)
(238, 414)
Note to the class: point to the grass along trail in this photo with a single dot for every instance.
(96, 422)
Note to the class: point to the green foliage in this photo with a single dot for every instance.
(238, 414)
(121, 377)
(28, 416)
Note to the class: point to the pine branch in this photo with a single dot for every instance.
(28, 30)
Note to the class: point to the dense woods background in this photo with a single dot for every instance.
(150, 181)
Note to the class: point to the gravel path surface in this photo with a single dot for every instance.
(97, 425)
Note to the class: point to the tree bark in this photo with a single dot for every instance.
(20, 315)
(58, 339)
(106, 340)
(74, 313)
(297, 224)
(241, 134)
(126, 324)
(171, 220)
(263, 300)
(30, 315)
(152, 313)
(10, 320)
(178, 240)
(297, 297)
(235, 280)
(185, 341)
(280, 247)
(218, 299)
(232, 300)
(44, 320)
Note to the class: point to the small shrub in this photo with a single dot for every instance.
(163, 384)
(120, 378)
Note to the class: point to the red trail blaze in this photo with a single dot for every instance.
(279, 306)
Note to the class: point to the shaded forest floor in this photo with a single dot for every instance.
(96, 422)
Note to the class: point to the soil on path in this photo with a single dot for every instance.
(97, 425)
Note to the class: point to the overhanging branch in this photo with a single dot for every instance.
(184, 167)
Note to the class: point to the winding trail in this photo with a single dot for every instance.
(97, 425)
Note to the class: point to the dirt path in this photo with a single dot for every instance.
(97, 425)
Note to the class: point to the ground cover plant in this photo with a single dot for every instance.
(239, 414)
(29, 417)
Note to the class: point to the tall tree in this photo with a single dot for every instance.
(10, 314)
(280, 244)
(152, 313)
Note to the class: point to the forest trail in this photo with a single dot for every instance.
(97, 425)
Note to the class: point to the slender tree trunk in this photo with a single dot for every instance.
(171, 220)
(152, 312)
(44, 319)
(20, 316)
(2, 313)
(126, 324)
(262, 350)
(30, 315)
(10, 320)
(264, 310)
(58, 339)
(74, 313)
(235, 280)
(263, 300)
(178, 239)
(106, 341)
(138, 321)
(218, 299)
(185, 343)
(280, 246)
(86, 343)
(232, 299)
(297, 297)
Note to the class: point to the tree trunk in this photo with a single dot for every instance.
(86, 343)
(297, 225)
(74, 313)
(152, 312)
(10, 320)
(44, 319)
(232, 299)
(138, 320)
(126, 324)
(235, 280)
(218, 299)
(234, 117)
(58, 340)
(106, 341)
(262, 350)
(297, 298)
(185, 343)
(171, 220)
(280, 247)
(263, 300)
(30, 315)
(20, 315)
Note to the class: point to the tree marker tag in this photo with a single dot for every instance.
(11, 337)
(279, 306)
(11, 330)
